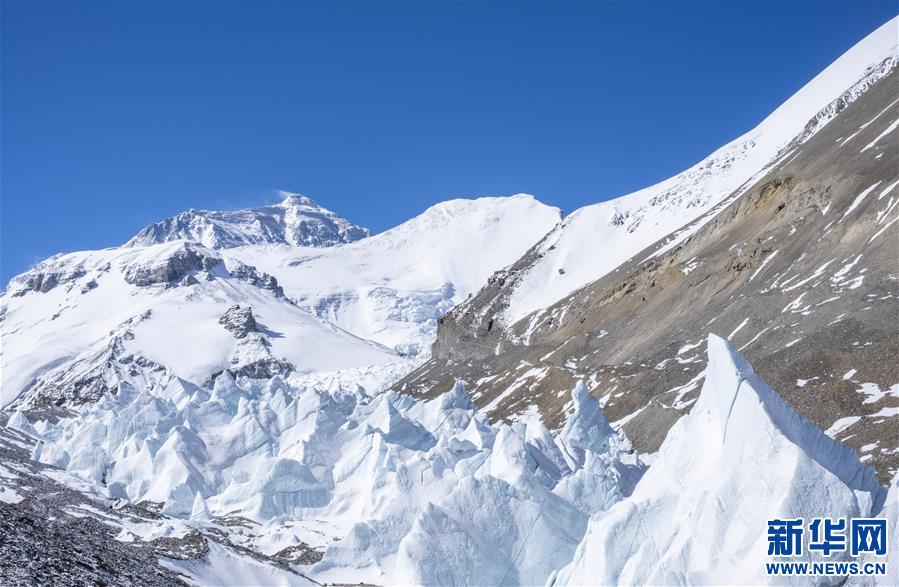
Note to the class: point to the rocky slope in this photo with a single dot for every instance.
(798, 269)
(594, 240)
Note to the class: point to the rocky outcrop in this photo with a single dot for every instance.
(254, 277)
(94, 373)
(44, 278)
(172, 268)
(252, 357)
(239, 321)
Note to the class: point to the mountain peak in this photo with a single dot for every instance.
(297, 220)
(290, 199)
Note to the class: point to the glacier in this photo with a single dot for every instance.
(389, 490)
(741, 457)
(377, 483)
(392, 288)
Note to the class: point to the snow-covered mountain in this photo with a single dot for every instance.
(77, 325)
(296, 220)
(594, 240)
(796, 266)
(393, 287)
(249, 397)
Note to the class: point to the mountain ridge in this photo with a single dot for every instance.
(296, 220)
(799, 268)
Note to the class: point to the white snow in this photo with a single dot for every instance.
(177, 326)
(10, 495)
(391, 288)
(392, 479)
(888, 189)
(764, 262)
(296, 220)
(223, 566)
(841, 424)
(742, 456)
(865, 125)
(384, 290)
(858, 200)
(873, 392)
(893, 125)
(738, 328)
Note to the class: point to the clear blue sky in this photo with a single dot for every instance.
(118, 114)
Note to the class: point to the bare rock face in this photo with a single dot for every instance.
(252, 357)
(239, 321)
(798, 272)
(43, 281)
(173, 268)
(255, 277)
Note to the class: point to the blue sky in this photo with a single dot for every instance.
(113, 115)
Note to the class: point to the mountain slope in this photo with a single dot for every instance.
(566, 259)
(392, 287)
(78, 325)
(296, 221)
(798, 269)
